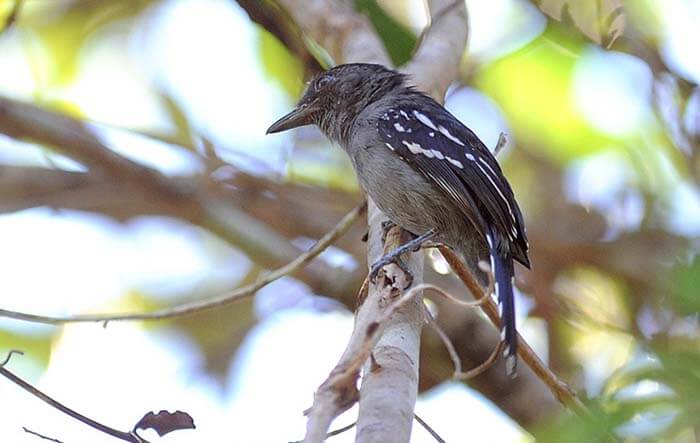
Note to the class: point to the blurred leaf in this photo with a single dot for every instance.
(334, 172)
(398, 40)
(67, 29)
(685, 287)
(179, 119)
(533, 86)
(279, 64)
(603, 21)
(219, 332)
(63, 106)
(9, 13)
(575, 429)
(318, 52)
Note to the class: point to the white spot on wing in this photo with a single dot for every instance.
(425, 120)
(389, 146)
(498, 189)
(416, 148)
(398, 127)
(449, 135)
(455, 162)
(470, 157)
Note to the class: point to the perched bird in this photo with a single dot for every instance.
(423, 168)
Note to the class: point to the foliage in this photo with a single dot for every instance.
(615, 283)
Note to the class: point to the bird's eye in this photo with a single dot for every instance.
(323, 82)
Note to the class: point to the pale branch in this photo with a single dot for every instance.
(436, 62)
(372, 322)
(559, 389)
(268, 15)
(390, 378)
(334, 432)
(339, 391)
(201, 305)
(346, 35)
(388, 395)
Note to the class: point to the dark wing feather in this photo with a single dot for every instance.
(452, 156)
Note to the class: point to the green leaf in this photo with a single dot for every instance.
(685, 287)
(398, 40)
(63, 35)
(533, 87)
(37, 347)
(279, 64)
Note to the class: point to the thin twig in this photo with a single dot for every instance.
(201, 305)
(502, 142)
(126, 436)
(562, 392)
(43, 437)
(427, 427)
(456, 361)
(9, 355)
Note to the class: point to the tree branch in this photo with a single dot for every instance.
(201, 305)
(348, 37)
(197, 205)
(561, 390)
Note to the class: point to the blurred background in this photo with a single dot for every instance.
(602, 109)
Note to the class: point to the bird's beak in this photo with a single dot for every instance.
(299, 116)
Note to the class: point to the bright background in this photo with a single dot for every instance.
(139, 70)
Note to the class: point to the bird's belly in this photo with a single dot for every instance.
(404, 195)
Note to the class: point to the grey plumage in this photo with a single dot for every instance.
(422, 167)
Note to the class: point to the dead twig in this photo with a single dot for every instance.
(561, 390)
(456, 361)
(125, 436)
(430, 430)
(41, 436)
(198, 306)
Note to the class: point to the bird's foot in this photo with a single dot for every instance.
(387, 225)
(395, 257)
(390, 258)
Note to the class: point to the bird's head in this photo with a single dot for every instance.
(335, 97)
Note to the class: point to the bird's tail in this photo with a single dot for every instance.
(502, 268)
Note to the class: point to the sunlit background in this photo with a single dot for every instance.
(604, 157)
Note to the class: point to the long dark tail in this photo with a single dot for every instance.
(502, 267)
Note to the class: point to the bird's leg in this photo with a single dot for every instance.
(395, 256)
(386, 227)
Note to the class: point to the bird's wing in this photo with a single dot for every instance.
(450, 155)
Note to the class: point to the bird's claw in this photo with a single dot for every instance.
(388, 259)
(386, 227)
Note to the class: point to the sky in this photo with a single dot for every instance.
(61, 262)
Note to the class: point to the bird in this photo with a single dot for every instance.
(424, 169)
